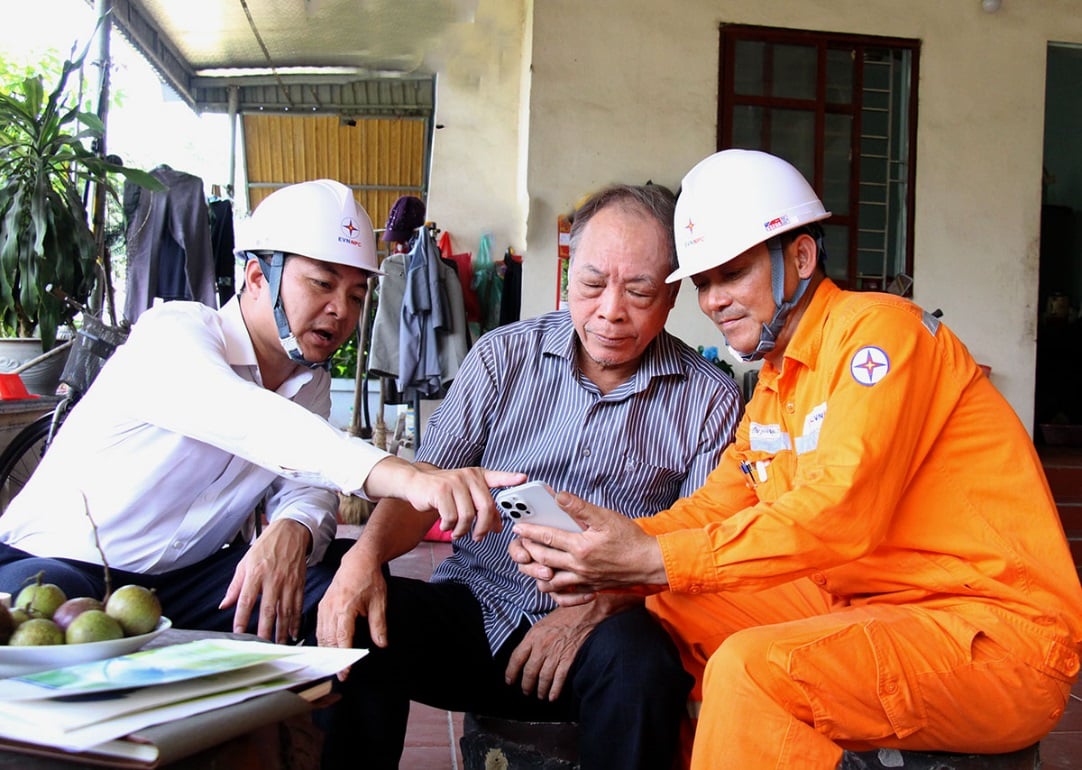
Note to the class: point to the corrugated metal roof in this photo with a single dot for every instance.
(380, 50)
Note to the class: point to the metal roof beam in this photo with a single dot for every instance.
(312, 95)
(154, 44)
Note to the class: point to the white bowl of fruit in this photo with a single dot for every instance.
(44, 629)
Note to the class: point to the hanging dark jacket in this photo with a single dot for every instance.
(168, 243)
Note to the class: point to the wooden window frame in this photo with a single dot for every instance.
(728, 100)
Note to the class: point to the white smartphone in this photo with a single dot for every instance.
(534, 503)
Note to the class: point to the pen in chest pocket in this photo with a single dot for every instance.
(749, 474)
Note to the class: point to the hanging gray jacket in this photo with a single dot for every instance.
(168, 243)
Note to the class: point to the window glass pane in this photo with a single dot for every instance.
(873, 223)
(870, 269)
(840, 75)
(836, 241)
(787, 133)
(792, 136)
(872, 144)
(747, 127)
(876, 118)
(748, 69)
(836, 153)
(795, 70)
(877, 70)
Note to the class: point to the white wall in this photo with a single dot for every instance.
(626, 90)
(477, 184)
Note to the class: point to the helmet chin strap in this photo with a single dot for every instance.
(272, 266)
(768, 335)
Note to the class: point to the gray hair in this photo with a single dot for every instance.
(652, 200)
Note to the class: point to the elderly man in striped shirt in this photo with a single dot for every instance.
(597, 399)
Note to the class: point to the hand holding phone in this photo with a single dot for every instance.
(534, 503)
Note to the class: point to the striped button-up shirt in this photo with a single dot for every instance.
(520, 403)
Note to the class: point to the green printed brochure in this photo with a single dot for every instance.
(160, 665)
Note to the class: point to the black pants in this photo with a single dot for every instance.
(626, 688)
(189, 596)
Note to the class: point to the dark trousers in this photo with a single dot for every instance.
(626, 688)
(189, 596)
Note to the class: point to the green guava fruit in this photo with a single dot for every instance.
(92, 626)
(40, 600)
(135, 608)
(36, 632)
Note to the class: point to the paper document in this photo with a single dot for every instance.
(74, 711)
(157, 666)
(82, 707)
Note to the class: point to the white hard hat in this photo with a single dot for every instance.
(734, 200)
(319, 220)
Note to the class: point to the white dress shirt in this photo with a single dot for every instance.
(175, 444)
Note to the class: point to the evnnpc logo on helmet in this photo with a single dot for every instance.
(349, 226)
(692, 238)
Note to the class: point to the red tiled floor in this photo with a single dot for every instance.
(432, 739)
(433, 735)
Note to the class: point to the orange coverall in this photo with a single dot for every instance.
(898, 575)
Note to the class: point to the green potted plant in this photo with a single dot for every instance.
(45, 235)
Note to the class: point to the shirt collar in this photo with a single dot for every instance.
(239, 350)
(660, 359)
(806, 342)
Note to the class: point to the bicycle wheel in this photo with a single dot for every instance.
(21, 457)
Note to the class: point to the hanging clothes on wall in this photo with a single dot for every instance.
(453, 342)
(511, 295)
(401, 327)
(383, 347)
(423, 312)
(168, 243)
(221, 244)
(487, 283)
(464, 265)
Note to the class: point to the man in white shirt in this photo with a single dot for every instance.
(201, 415)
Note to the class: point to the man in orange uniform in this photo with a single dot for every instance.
(877, 561)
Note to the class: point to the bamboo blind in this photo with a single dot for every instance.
(380, 158)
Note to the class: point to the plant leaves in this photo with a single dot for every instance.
(45, 236)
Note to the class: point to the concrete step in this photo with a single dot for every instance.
(1065, 482)
(1063, 467)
